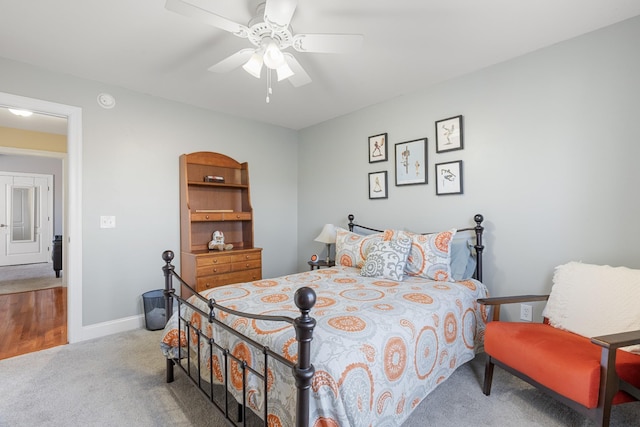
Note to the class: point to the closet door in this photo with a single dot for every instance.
(25, 218)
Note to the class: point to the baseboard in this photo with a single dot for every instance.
(103, 329)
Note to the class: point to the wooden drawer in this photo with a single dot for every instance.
(213, 259)
(208, 216)
(244, 276)
(236, 216)
(221, 216)
(213, 269)
(247, 256)
(208, 282)
(246, 265)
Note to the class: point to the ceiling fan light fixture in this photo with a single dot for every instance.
(273, 57)
(284, 72)
(254, 64)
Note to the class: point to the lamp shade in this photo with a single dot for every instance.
(284, 71)
(254, 64)
(327, 235)
(273, 57)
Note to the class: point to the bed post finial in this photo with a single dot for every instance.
(305, 298)
(168, 270)
(478, 218)
(351, 224)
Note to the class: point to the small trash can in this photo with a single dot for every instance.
(154, 312)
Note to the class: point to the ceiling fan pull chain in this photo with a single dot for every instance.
(269, 91)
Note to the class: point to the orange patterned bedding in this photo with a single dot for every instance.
(379, 346)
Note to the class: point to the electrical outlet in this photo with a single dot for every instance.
(107, 222)
(526, 312)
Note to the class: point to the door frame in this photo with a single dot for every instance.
(72, 190)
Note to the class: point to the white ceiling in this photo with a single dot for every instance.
(409, 45)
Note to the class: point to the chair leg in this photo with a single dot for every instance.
(609, 386)
(488, 376)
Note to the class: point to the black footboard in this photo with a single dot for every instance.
(222, 400)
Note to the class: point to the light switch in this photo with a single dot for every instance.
(107, 221)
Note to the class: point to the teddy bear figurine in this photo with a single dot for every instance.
(218, 242)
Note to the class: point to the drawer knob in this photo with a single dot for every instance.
(206, 216)
(238, 216)
(247, 265)
(215, 261)
(215, 270)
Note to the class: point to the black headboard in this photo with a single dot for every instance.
(478, 246)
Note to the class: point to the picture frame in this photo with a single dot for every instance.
(448, 178)
(449, 134)
(378, 148)
(411, 162)
(378, 185)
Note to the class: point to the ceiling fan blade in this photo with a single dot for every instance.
(191, 11)
(300, 76)
(232, 62)
(327, 43)
(278, 13)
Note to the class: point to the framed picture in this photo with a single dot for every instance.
(378, 148)
(449, 178)
(449, 134)
(378, 185)
(411, 162)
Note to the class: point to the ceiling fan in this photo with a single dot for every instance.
(270, 33)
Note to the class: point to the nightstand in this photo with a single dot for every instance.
(318, 264)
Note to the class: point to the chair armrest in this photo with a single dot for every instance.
(610, 380)
(614, 341)
(512, 299)
(496, 302)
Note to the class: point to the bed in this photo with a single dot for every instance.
(359, 344)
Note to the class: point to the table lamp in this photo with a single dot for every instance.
(328, 236)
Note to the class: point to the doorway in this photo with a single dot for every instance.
(72, 177)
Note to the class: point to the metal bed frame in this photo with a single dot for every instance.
(235, 413)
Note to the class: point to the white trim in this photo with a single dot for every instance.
(27, 152)
(72, 170)
(113, 327)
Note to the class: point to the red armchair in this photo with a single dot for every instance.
(587, 374)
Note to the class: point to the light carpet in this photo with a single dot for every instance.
(28, 277)
(119, 380)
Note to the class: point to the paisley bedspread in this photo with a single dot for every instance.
(379, 346)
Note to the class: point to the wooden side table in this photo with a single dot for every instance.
(318, 264)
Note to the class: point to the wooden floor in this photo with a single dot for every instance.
(32, 321)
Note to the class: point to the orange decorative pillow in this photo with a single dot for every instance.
(352, 249)
(430, 254)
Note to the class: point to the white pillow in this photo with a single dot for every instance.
(592, 300)
(387, 259)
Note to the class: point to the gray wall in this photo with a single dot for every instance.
(130, 170)
(550, 158)
(42, 165)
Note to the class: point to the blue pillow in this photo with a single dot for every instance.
(463, 263)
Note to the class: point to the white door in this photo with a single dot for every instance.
(25, 219)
